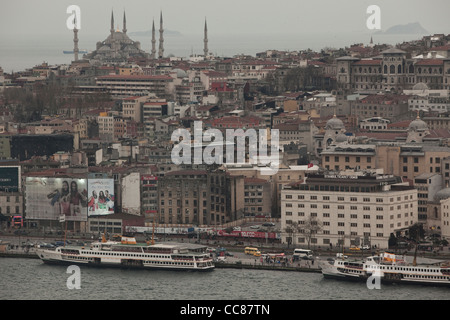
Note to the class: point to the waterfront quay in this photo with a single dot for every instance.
(25, 247)
(12, 246)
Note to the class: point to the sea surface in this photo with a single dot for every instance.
(18, 53)
(31, 279)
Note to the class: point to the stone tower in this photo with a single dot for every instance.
(205, 41)
(153, 55)
(161, 38)
(124, 23)
(75, 39)
(112, 23)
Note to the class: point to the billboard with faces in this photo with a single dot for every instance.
(100, 197)
(52, 198)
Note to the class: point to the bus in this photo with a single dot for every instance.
(302, 254)
(253, 251)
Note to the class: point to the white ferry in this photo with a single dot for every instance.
(389, 267)
(129, 254)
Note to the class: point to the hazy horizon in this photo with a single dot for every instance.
(223, 17)
(35, 31)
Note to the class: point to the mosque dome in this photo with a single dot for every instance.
(418, 125)
(180, 73)
(420, 86)
(334, 124)
(341, 138)
(442, 194)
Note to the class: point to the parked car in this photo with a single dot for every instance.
(268, 224)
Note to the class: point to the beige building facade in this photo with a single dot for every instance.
(352, 209)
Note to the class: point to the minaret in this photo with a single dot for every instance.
(153, 41)
(124, 23)
(161, 38)
(205, 41)
(75, 39)
(112, 22)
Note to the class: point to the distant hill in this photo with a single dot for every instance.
(149, 33)
(410, 28)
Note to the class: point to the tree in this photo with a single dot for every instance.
(392, 242)
(291, 230)
(416, 233)
(310, 228)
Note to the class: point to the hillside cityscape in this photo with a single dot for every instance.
(362, 137)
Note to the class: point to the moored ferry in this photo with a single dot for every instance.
(389, 268)
(129, 254)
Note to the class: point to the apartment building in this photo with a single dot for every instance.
(407, 160)
(149, 196)
(257, 197)
(347, 156)
(427, 185)
(351, 208)
(284, 176)
(122, 86)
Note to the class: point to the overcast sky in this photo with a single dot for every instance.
(229, 17)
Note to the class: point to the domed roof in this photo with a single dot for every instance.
(442, 194)
(420, 86)
(418, 125)
(334, 124)
(180, 73)
(341, 137)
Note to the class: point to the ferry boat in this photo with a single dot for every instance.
(129, 254)
(82, 51)
(390, 268)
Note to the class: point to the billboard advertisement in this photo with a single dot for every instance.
(10, 178)
(101, 197)
(53, 198)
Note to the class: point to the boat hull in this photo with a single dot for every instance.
(52, 258)
(330, 271)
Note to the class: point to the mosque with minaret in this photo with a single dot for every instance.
(118, 47)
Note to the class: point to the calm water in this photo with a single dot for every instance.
(30, 279)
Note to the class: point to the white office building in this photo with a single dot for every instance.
(354, 209)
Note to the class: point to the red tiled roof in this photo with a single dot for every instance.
(220, 87)
(439, 133)
(400, 124)
(430, 62)
(441, 48)
(385, 98)
(315, 62)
